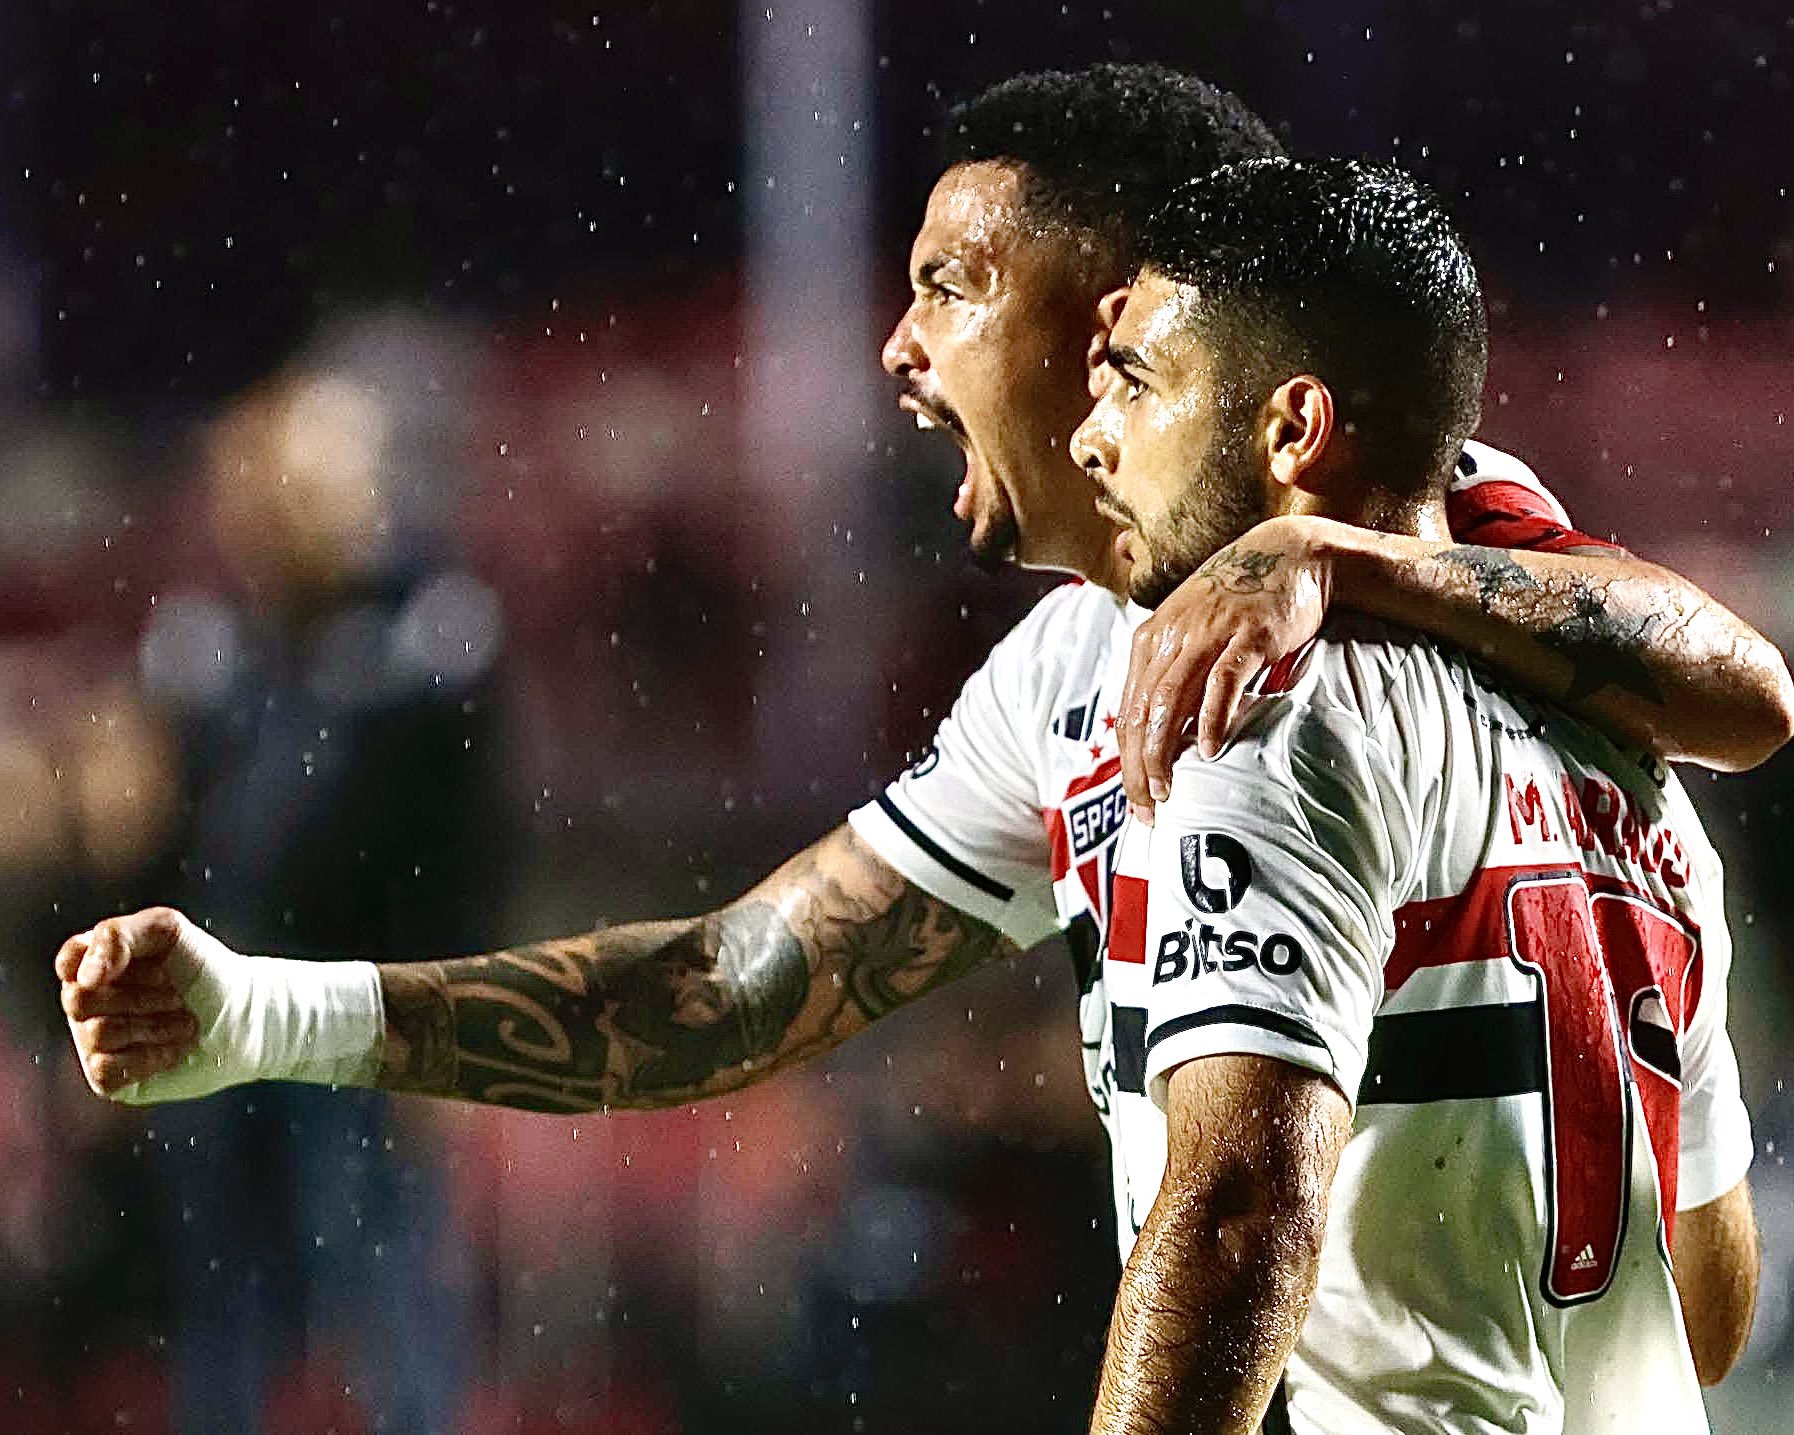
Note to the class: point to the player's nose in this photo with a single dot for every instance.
(903, 353)
(1093, 445)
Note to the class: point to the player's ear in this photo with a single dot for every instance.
(1108, 311)
(1296, 425)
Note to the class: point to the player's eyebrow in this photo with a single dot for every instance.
(930, 269)
(1126, 358)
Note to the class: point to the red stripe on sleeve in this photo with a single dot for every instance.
(1127, 920)
(1504, 514)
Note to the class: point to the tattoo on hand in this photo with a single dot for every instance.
(660, 1013)
(1239, 570)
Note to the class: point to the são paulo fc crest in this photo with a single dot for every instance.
(1216, 871)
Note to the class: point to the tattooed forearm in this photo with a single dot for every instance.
(1627, 644)
(1494, 571)
(1604, 648)
(1571, 616)
(660, 1013)
(419, 1054)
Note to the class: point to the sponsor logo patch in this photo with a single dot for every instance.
(1192, 952)
(1216, 871)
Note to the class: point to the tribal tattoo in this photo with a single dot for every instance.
(660, 1013)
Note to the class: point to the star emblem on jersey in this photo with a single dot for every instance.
(1216, 871)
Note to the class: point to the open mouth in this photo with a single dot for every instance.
(929, 417)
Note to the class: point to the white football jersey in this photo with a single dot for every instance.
(1503, 939)
(1013, 813)
(1015, 816)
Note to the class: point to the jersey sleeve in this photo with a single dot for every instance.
(1716, 1143)
(1495, 499)
(1272, 871)
(964, 824)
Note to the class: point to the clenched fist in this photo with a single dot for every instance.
(162, 1011)
(122, 985)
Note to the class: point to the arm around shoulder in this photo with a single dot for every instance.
(1626, 643)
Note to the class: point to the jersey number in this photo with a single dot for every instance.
(1619, 978)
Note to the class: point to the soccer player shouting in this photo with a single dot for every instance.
(1008, 830)
(1401, 888)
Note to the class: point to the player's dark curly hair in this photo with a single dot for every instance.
(1347, 270)
(1102, 149)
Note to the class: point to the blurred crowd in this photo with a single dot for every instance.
(423, 644)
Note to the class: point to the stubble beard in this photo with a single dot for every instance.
(1219, 503)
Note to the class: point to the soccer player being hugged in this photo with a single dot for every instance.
(1010, 829)
(1421, 983)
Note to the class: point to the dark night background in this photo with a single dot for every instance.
(449, 497)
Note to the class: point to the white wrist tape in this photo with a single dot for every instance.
(268, 1019)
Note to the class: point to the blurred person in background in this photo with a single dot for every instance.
(329, 685)
(1029, 228)
(88, 805)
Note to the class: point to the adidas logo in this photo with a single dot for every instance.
(1585, 1259)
